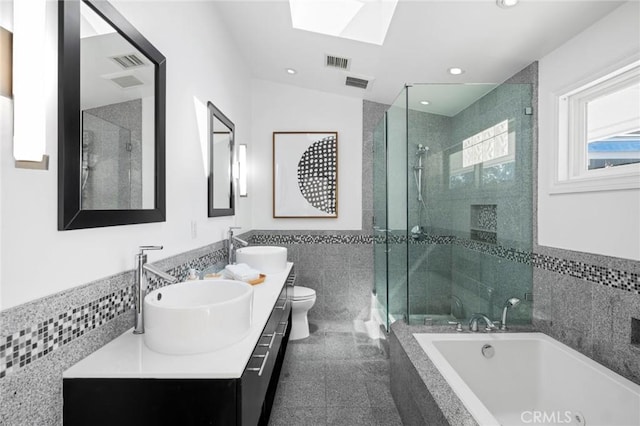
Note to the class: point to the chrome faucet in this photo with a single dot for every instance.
(232, 240)
(141, 283)
(473, 322)
(514, 301)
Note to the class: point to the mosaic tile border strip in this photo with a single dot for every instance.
(614, 278)
(32, 343)
(25, 346)
(609, 277)
(310, 239)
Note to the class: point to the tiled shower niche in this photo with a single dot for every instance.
(484, 223)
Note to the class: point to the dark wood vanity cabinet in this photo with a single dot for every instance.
(245, 401)
(260, 378)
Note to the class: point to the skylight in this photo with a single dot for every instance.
(362, 20)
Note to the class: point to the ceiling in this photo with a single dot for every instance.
(425, 38)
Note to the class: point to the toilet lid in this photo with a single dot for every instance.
(302, 292)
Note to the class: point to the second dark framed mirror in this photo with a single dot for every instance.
(111, 120)
(221, 148)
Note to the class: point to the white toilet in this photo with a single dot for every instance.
(303, 299)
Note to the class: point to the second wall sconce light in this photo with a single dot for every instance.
(242, 170)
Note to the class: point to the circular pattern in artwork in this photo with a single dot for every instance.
(317, 172)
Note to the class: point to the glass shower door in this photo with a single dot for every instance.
(380, 222)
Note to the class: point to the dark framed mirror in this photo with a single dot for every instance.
(221, 139)
(111, 120)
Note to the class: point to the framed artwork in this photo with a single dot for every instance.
(305, 174)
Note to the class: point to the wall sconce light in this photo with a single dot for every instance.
(6, 59)
(242, 170)
(29, 106)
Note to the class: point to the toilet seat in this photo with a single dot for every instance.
(303, 293)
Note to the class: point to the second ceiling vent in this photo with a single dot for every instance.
(337, 62)
(360, 83)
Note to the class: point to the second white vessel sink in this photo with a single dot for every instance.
(266, 259)
(197, 316)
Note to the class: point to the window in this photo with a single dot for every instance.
(490, 153)
(599, 134)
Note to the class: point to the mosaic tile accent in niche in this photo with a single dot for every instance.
(484, 217)
(22, 347)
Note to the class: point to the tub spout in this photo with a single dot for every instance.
(473, 322)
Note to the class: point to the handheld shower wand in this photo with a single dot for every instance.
(512, 302)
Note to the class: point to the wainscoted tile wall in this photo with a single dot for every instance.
(337, 265)
(588, 302)
(42, 338)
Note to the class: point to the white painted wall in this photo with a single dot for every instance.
(278, 107)
(603, 222)
(202, 64)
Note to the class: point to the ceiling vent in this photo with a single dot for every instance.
(360, 83)
(331, 61)
(128, 61)
(127, 81)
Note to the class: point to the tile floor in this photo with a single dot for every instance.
(336, 376)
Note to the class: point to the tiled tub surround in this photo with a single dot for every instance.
(424, 396)
(421, 393)
(42, 338)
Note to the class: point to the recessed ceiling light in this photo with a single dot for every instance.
(291, 71)
(455, 71)
(425, 102)
(505, 4)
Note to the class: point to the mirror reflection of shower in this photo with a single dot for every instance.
(418, 169)
(111, 169)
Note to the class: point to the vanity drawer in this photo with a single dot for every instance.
(264, 365)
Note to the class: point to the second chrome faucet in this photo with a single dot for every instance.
(232, 241)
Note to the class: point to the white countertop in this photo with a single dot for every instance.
(128, 357)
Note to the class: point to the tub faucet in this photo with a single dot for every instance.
(232, 240)
(473, 322)
(141, 283)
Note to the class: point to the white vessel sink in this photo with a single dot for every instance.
(266, 259)
(197, 316)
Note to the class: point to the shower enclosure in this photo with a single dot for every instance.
(453, 203)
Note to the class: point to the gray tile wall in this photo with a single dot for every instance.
(337, 265)
(588, 312)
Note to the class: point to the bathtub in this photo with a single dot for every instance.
(530, 379)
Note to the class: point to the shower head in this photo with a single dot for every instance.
(514, 301)
(421, 150)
